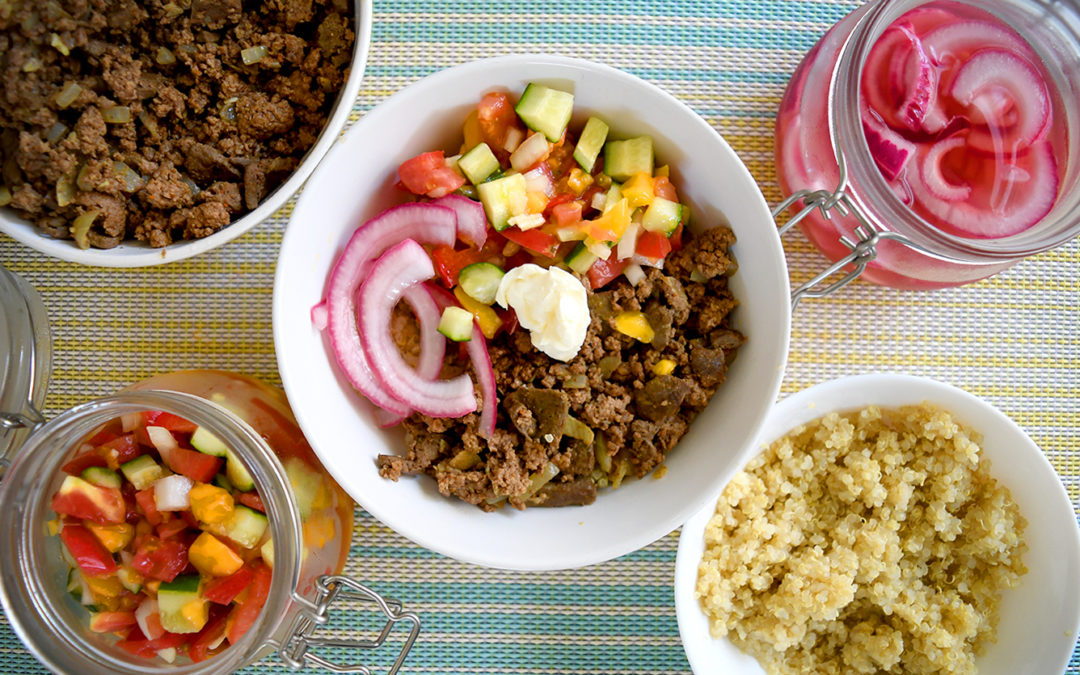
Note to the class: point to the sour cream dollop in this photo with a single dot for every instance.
(551, 304)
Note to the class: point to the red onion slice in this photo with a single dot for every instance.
(956, 40)
(932, 176)
(403, 265)
(472, 222)
(485, 373)
(890, 150)
(1008, 95)
(921, 83)
(423, 222)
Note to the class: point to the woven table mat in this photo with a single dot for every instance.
(1011, 339)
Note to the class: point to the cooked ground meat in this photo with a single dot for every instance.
(147, 113)
(566, 429)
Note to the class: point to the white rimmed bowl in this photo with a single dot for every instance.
(356, 181)
(1040, 618)
(133, 253)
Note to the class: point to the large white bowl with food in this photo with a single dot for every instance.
(356, 181)
(132, 253)
(1040, 618)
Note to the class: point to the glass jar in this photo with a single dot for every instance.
(252, 419)
(846, 207)
(25, 361)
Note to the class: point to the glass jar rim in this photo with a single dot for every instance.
(25, 593)
(25, 360)
(875, 196)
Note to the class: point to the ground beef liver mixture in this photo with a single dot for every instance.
(564, 430)
(160, 120)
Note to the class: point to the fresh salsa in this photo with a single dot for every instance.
(167, 536)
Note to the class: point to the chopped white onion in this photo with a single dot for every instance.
(599, 249)
(148, 607)
(528, 221)
(539, 180)
(647, 262)
(130, 422)
(171, 493)
(628, 242)
(168, 654)
(513, 139)
(634, 273)
(572, 233)
(598, 201)
(534, 149)
(163, 440)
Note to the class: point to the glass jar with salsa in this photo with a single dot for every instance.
(183, 523)
(935, 143)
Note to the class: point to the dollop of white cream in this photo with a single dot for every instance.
(551, 304)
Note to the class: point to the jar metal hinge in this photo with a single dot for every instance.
(296, 651)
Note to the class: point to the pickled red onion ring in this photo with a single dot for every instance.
(994, 83)
(471, 220)
(932, 176)
(403, 265)
(890, 151)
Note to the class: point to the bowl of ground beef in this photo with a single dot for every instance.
(666, 423)
(135, 134)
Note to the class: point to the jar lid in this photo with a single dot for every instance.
(25, 361)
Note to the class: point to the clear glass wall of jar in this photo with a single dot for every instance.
(254, 421)
(819, 128)
(25, 360)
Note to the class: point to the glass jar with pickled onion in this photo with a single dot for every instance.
(941, 134)
(181, 525)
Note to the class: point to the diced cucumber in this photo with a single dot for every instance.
(222, 481)
(481, 281)
(237, 473)
(479, 163)
(142, 471)
(622, 159)
(267, 552)
(75, 584)
(102, 477)
(662, 216)
(181, 607)
(245, 526)
(131, 579)
(614, 194)
(503, 198)
(207, 443)
(545, 110)
(457, 324)
(591, 142)
(581, 258)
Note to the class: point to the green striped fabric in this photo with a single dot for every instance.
(1011, 339)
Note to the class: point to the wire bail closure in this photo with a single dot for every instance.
(296, 652)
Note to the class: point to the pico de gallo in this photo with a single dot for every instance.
(522, 189)
(168, 538)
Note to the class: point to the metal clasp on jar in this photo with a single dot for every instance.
(297, 650)
(863, 249)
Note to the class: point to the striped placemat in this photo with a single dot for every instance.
(1011, 339)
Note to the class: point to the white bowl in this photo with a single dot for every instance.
(133, 253)
(1039, 619)
(356, 181)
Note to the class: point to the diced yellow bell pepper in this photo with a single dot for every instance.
(611, 225)
(196, 613)
(152, 585)
(473, 137)
(104, 588)
(486, 317)
(112, 537)
(663, 367)
(53, 526)
(319, 530)
(635, 325)
(664, 171)
(578, 181)
(535, 202)
(212, 557)
(210, 503)
(639, 190)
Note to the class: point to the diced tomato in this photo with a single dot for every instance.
(174, 423)
(251, 500)
(92, 558)
(224, 590)
(246, 611)
(171, 528)
(603, 271)
(557, 200)
(106, 434)
(428, 174)
(83, 461)
(119, 450)
(146, 502)
(662, 187)
(212, 632)
(518, 259)
(194, 464)
(189, 518)
(567, 213)
(110, 622)
(676, 236)
(149, 648)
(496, 116)
(449, 262)
(509, 320)
(85, 501)
(162, 560)
(653, 245)
(535, 240)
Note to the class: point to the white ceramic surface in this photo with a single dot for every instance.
(1040, 619)
(138, 254)
(356, 181)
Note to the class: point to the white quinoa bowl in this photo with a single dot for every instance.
(1039, 619)
(355, 182)
(132, 253)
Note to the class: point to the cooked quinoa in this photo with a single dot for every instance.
(868, 542)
